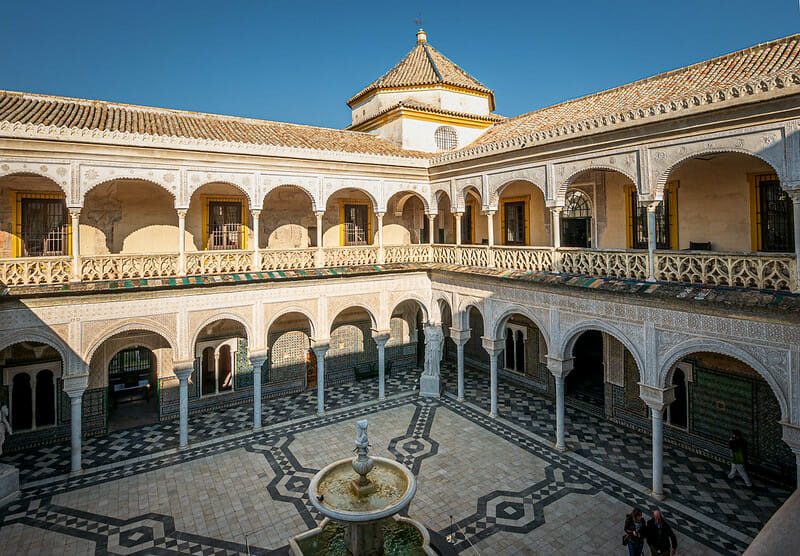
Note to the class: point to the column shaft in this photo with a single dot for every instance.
(490, 227)
(320, 353)
(75, 429)
(184, 410)
(658, 453)
(560, 431)
(796, 211)
(382, 371)
(431, 221)
(381, 253)
(256, 260)
(651, 241)
(493, 380)
(75, 217)
(320, 254)
(181, 243)
(458, 229)
(460, 353)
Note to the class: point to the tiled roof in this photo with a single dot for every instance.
(761, 68)
(430, 109)
(425, 65)
(102, 116)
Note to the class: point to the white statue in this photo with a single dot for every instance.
(361, 434)
(434, 338)
(4, 426)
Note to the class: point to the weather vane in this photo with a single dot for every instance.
(418, 22)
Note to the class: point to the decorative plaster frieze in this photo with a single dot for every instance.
(372, 188)
(59, 172)
(625, 163)
(92, 175)
(496, 181)
(247, 182)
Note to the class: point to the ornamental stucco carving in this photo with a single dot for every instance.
(766, 144)
(461, 184)
(309, 184)
(92, 175)
(372, 188)
(392, 187)
(58, 172)
(625, 163)
(535, 175)
(246, 182)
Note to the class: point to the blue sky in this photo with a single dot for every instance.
(300, 61)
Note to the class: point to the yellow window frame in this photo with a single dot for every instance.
(524, 199)
(208, 199)
(755, 208)
(671, 193)
(17, 197)
(361, 202)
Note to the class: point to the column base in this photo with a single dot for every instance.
(492, 415)
(9, 484)
(429, 386)
(460, 400)
(658, 497)
(320, 414)
(560, 448)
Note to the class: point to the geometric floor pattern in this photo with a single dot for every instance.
(508, 491)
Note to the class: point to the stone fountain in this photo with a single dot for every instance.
(362, 495)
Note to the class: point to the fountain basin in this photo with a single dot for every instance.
(402, 537)
(395, 486)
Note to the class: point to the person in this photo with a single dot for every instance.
(737, 445)
(660, 537)
(635, 529)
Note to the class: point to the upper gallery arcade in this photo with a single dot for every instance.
(687, 178)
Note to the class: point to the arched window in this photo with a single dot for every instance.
(216, 366)
(576, 220)
(446, 138)
(32, 395)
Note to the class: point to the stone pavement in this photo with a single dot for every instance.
(507, 490)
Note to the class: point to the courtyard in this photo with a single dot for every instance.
(507, 489)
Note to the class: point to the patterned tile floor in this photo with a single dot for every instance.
(117, 446)
(507, 490)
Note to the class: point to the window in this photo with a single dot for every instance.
(224, 225)
(576, 221)
(42, 225)
(666, 221)
(356, 225)
(32, 395)
(773, 225)
(515, 221)
(129, 371)
(446, 138)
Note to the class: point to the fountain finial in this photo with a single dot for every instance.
(361, 434)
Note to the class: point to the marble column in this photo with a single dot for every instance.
(257, 358)
(381, 337)
(256, 214)
(431, 229)
(460, 337)
(183, 370)
(458, 216)
(75, 219)
(182, 242)
(651, 240)
(493, 348)
(381, 252)
(490, 228)
(75, 386)
(320, 253)
(320, 349)
(791, 435)
(560, 368)
(556, 212)
(657, 399)
(795, 195)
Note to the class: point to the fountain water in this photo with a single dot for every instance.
(362, 496)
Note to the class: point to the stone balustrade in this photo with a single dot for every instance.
(748, 270)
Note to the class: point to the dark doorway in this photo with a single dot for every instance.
(678, 414)
(585, 381)
(311, 369)
(132, 389)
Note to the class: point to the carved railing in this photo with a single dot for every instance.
(774, 271)
(125, 267)
(533, 259)
(445, 254)
(35, 270)
(350, 256)
(218, 262)
(617, 263)
(746, 270)
(287, 259)
(407, 253)
(472, 255)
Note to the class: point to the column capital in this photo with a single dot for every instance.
(321, 346)
(791, 435)
(183, 369)
(560, 368)
(460, 335)
(493, 346)
(381, 336)
(490, 212)
(380, 213)
(75, 386)
(652, 205)
(257, 358)
(458, 214)
(794, 194)
(319, 213)
(556, 209)
(255, 212)
(74, 212)
(182, 212)
(656, 398)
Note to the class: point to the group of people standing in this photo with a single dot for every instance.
(656, 532)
